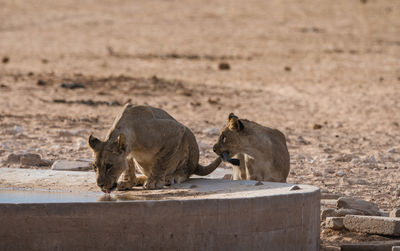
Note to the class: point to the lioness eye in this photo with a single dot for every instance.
(223, 139)
(108, 166)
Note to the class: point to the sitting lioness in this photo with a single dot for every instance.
(260, 152)
(148, 138)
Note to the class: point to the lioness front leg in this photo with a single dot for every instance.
(128, 179)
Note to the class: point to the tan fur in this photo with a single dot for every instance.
(262, 151)
(148, 139)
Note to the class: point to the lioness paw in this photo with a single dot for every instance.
(124, 185)
(153, 184)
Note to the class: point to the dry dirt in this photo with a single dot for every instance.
(326, 73)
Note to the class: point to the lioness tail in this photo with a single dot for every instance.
(206, 170)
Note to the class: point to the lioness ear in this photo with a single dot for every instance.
(122, 142)
(94, 143)
(234, 123)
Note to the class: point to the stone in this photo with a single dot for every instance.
(329, 170)
(396, 248)
(340, 173)
(341, 212)
(295, 187)
(369, 162)
(373, 224)
(302, 141)
(329, 212)
(33, 159)
(316, 173)
(335, 223)
(259, 183)
(67, 165)
(211, 131)
(224, 66)
(395, 213)
(394, 150)
(370, 246)
(345, 158)
(27, 159)
(366, 207)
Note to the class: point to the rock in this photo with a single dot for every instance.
(72, 85)
(341, 212)
(259, 183)
(370, 246)
(345, 158)
(317, 126)
(397, 193)
(366, 207)
(330, 150)
(340, 173)
(394, 150)
(335, 223)
(5, 60)
(395, 213)
(302, 141)
(41, 83)
(369, 162)
(329, 212)
(211, 131)
(32, 159)
(66, 165)
(316, 173)
(295, 187)
(27, 159)
(71, 133)
(329, 170)
(14, 130)
(373, 224)
(287, 68)
(396, 248)
(223, 66)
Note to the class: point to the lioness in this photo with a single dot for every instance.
(148, 138)
(261, 152)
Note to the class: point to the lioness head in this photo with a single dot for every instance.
(230, 139)
(110, 161)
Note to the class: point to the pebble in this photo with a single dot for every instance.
(345, 158)
(316, 173)
(329, 170)
(302, 141)
(212, 131)
(340, 173)
(370, 162)
(295, 187)
(394, 150)
(14, 130)
(223, 66)
(259, 183)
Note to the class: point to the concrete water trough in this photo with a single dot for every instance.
(202, 214)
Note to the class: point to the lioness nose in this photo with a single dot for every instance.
(215, 148)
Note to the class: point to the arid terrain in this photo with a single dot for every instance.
(326, 73)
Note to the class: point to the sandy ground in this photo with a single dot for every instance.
(326, 73)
